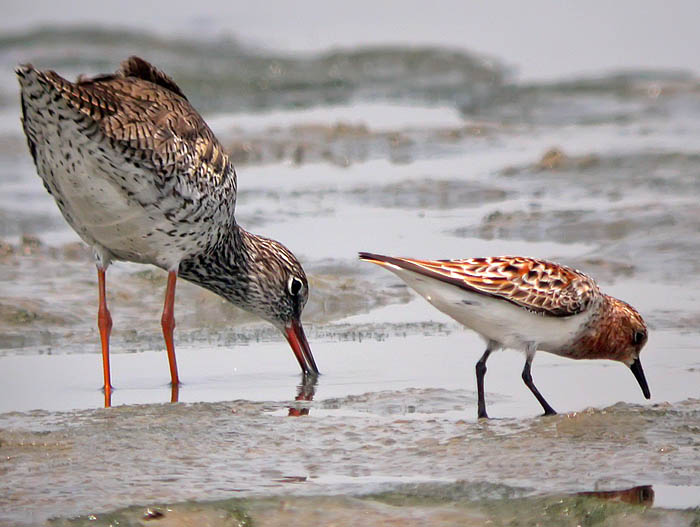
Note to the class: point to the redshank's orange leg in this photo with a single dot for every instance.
(104, 323)
(305, 392)
(167, 321)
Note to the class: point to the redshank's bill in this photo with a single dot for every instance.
(139, 175)
(527, 304)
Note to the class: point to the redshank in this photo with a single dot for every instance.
(139, 175)
(527, 304)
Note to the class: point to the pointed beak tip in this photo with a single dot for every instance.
(638, 372)
(300, 346)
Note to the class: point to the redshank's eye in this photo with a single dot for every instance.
(294, 285)
(639, 337)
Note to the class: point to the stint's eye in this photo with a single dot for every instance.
(294, 285)
(639, 337)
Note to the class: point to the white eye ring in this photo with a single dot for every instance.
(294, 285)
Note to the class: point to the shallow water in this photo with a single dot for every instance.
(599, 173)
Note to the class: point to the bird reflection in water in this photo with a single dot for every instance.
(305, 392)
(174, 395)
(640, 495)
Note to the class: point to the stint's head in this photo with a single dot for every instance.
(630, 332)
(630, 336)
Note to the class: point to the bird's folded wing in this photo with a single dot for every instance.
(536, 285)
(144, 108)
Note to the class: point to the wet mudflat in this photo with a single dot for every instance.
(458, 504)
(602, 175)
(404, 448)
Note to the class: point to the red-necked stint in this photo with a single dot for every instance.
(527, 304)
(139, 175)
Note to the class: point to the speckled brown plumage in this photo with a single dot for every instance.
(134, 139)
(139, 175)
(144, 108)
(533, 284)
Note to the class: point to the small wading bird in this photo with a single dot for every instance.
(139, 175)
(527, 304)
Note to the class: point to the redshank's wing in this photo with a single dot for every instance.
(144, 110)
(537, 285)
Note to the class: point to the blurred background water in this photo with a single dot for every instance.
(569, 132)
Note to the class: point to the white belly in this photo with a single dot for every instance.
(496, 320)
(90, 186)
(102, 214)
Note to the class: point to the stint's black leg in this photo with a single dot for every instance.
(527, 377)
(480, 372)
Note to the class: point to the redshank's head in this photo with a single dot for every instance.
(628, 338)
(261, 276)
(276, 289)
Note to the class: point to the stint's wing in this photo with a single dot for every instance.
(536, 285)
(143, 109)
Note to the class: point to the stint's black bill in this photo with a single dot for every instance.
(300, 346)
(636, 368)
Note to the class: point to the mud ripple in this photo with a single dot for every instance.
(399, 458)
